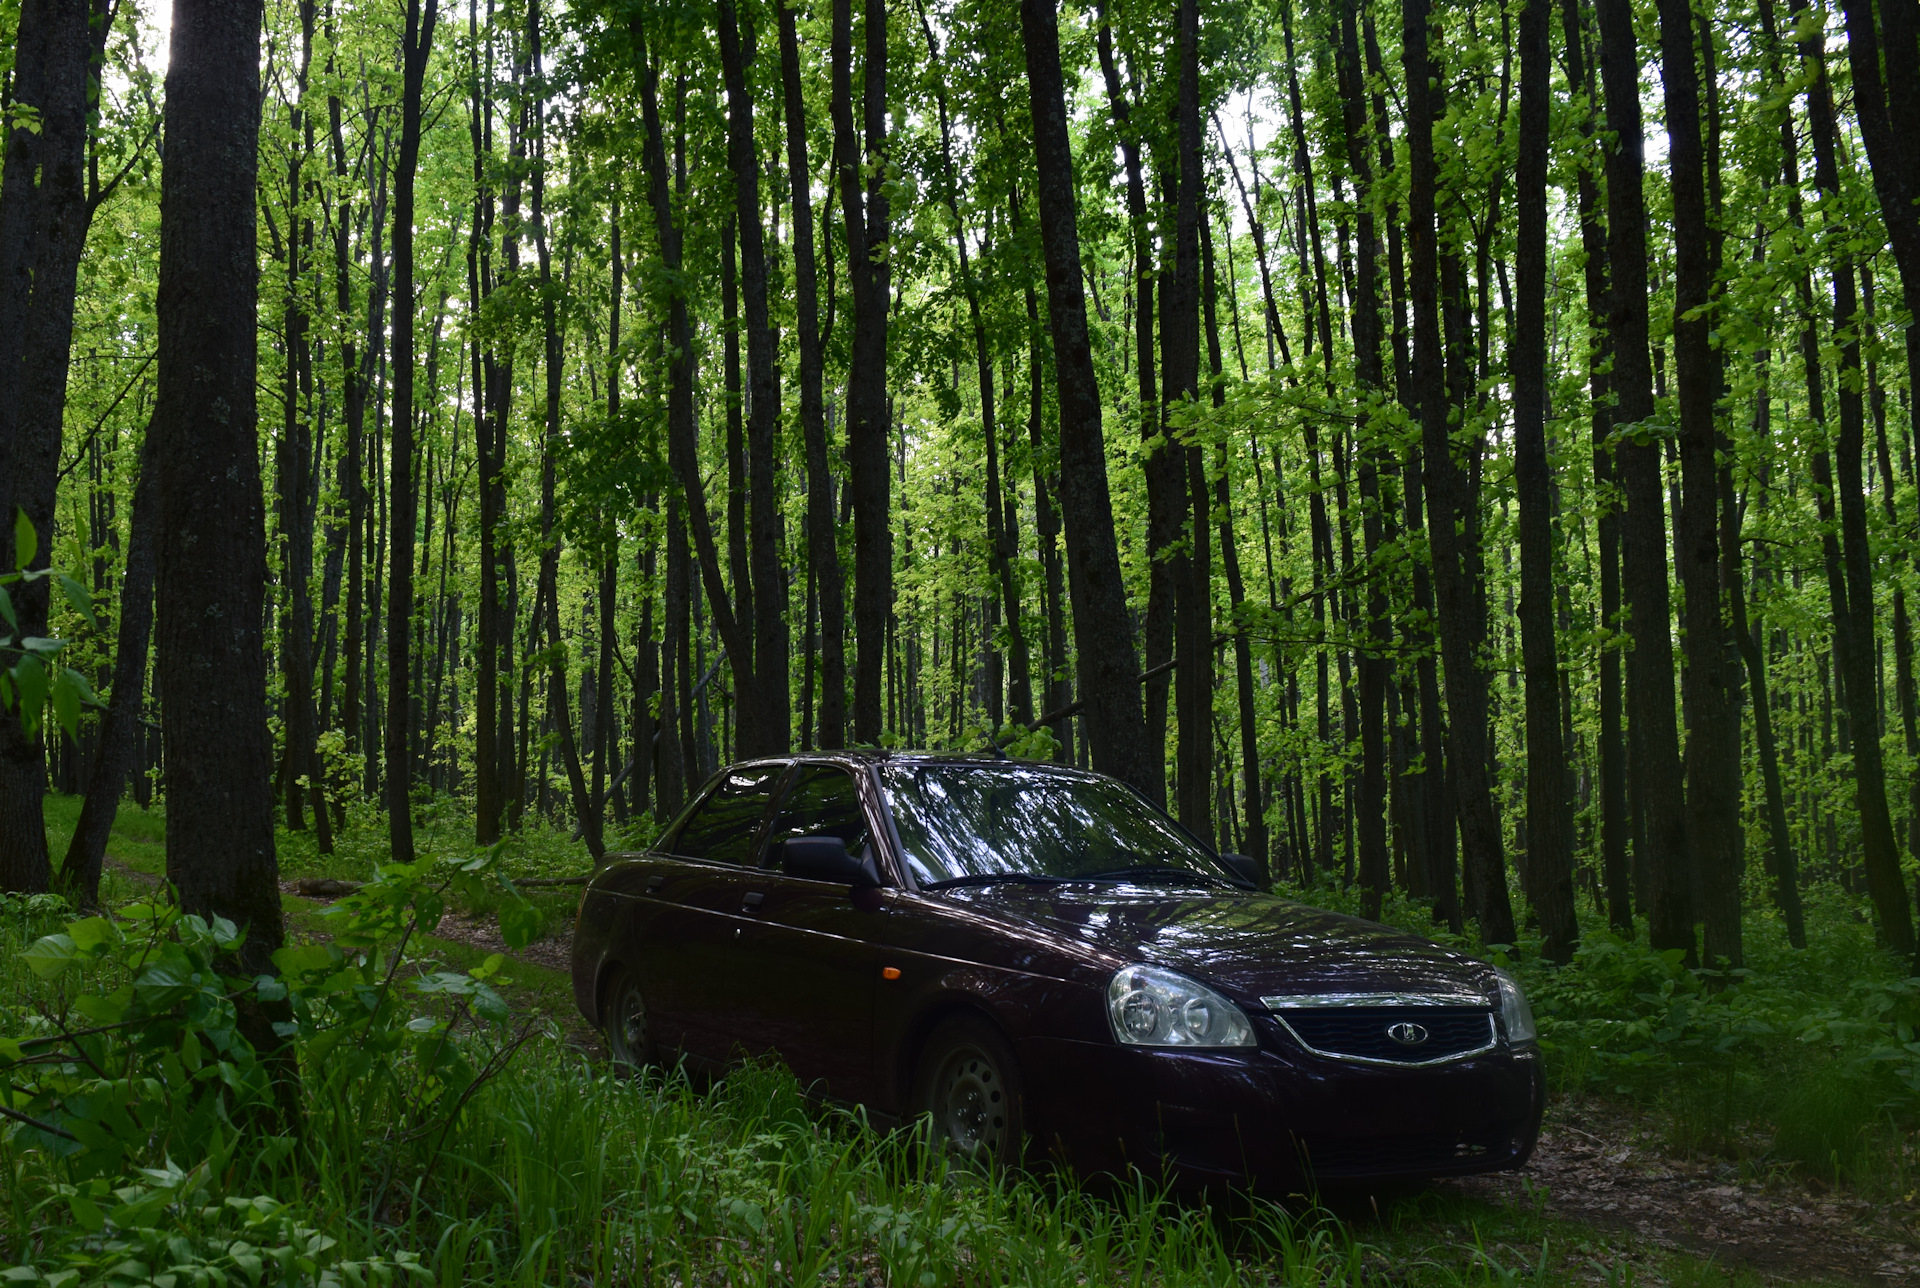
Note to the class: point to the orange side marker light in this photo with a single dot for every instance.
(889, 972)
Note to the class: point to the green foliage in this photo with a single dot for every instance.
(32, 678)
(138, 1095)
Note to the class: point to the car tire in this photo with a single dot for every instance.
(629, 1032)
(967, 1084)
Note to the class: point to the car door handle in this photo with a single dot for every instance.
(654, 883)
(752, 901)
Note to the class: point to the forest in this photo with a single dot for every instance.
(1460, 454)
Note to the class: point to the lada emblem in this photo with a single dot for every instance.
(1407, 1033)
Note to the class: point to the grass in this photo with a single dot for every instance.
(557, 1171)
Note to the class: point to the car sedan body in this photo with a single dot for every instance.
(1038, 957)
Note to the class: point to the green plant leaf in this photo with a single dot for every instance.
(26, 542)
(78, 599)
(519, 923)
(49, 956)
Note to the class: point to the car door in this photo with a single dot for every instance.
(814, 960)
(689, 950)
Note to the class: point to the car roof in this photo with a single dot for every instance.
(876, 757)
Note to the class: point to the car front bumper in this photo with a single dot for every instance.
(1274, 1117)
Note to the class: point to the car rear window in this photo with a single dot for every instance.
(722, 829)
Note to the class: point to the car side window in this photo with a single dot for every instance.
(722, 829)
(821, 801)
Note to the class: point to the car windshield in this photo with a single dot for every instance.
(976, 824)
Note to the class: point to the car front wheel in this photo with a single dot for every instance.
(969, 1086)
(629, 1036)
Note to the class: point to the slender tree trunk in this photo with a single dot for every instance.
(1180, 357)
(1854, 640)
(115, 757)
(1447, 494)
(823, 535)
(869, 229)
(1375, 874)
(402, 501)
(1656, 743)
(1252, 795)
(1103, 630)
(1549, 798)
(1713, 729)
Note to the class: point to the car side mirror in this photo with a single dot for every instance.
(825, 858)
(1243, 867)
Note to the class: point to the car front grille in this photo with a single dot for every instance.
(1394, 1034)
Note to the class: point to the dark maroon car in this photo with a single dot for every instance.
(1038, 957)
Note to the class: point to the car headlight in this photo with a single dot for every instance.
(1148, 1006)
(1515, 1015)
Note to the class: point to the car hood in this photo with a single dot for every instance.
(1249, 945)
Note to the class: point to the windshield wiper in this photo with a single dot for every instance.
(990, 878)
(1153, 872)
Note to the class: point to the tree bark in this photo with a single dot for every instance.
(1103, 629)
(212, 558)
(869, 231)
(114, 759)
(1853, 635)
(1656, 743)
(402, 500)
(823, 534)
(44, 215)
(1549, 798)
(1461, 613)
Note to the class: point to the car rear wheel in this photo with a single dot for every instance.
(629, 1034)
(969, 1086)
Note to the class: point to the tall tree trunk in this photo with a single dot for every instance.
(1162, 471)
(212, 558)
(120, 729)
(1103, 630)
(823, 534)
(1713, 723)
(1252, 795)
(1549, 796)
(402, 501)
(1655, 738)
(1853, 636)
(1461, 612)
(491, 719)
(1180, 358)
(44, 215)
(767, 728)
(1612, 745)
(869, 230)
(559, 708)
(1374, 663)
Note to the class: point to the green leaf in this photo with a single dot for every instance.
(6, 609)
(519, 923)
(78, 599)
(86, 1213)
(26, 542)
(300, 959)
(92, 932)
(50, 956)
(30, 682)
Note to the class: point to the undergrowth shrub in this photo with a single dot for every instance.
(437, 1139)
(1804, 1058)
